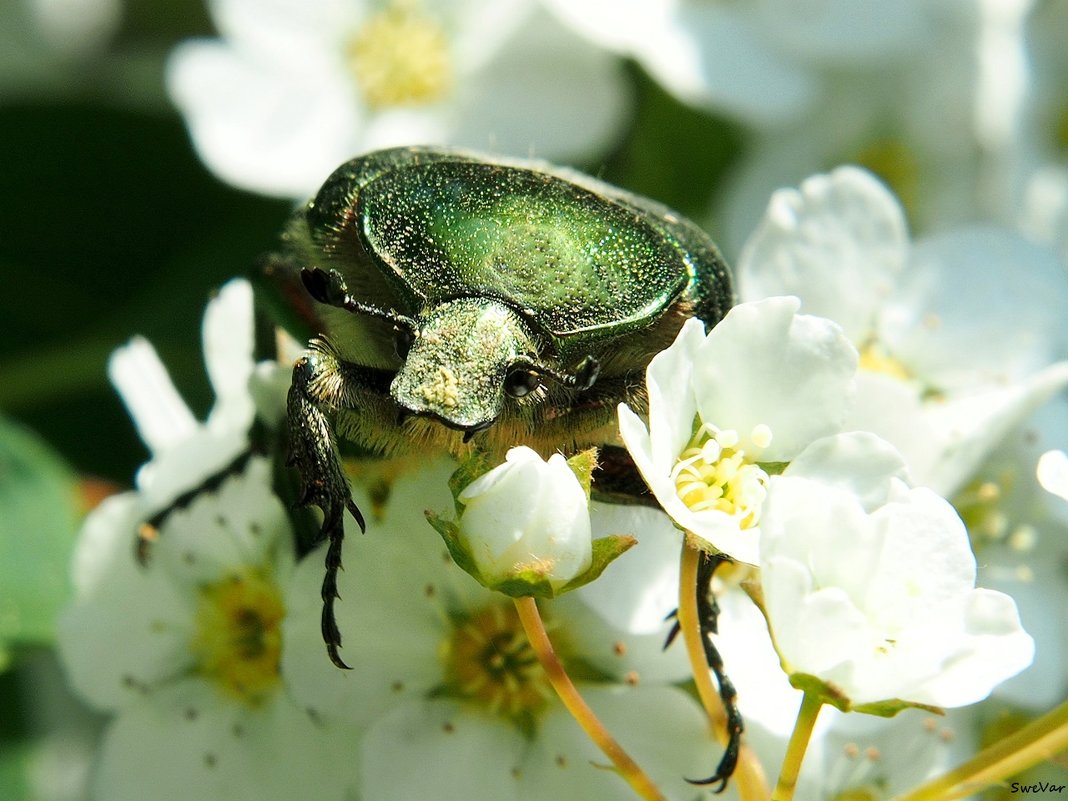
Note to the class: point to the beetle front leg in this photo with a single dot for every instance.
(320, 386)
(708, 621)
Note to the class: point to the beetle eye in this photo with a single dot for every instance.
(519, 382)
(402, 341)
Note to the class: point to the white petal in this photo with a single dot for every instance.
(239, 526)
(926, 559)
(158, 411)
(968, 429)
(672, 404)
(642, 587)
(765, 365)
(129, 626)
(858, 462)
(186, 742)
(228, 343)
(764, 692)
(844, 31)
(299, 36)
(546, 94)
(839, 243)
(976, 307)
(261, 129)
(443, 750)
(696, 54)
(996, 648)
(661, 727)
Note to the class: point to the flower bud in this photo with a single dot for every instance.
(527, 518)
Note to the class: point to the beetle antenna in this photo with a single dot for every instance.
(584, 376)
(327, 286)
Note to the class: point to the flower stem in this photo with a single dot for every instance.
(1040, 739)
(795, 749)
(749, 775)
(579, 709)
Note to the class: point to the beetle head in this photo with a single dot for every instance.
(458, 363)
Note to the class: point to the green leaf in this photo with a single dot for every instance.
(38, 520)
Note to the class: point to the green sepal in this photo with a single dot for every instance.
(890, 707)
(582, 465)
(830, 694)
(471, 468)
(529, 582)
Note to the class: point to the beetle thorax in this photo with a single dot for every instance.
(457, 364)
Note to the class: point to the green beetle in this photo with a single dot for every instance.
(467, 303)
(464, 303)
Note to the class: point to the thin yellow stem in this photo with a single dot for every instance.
(579, 709)
(795, 749)
(749, 775)
(1041, 739)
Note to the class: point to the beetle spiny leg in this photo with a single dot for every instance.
(323, 481)
(333, 526)
(708, 620)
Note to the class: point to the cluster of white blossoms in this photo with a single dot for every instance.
(293, 89)
(819, 451)
(874, 435)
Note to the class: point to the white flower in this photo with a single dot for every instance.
(186, 652)
(455, 703)
(760, 60)
(958, 333)
(761, 386)
(296, 88)
(527, 515)
(869, 585)
(184, 450)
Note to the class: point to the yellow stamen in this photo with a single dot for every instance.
(713, 474)
(488, 660)
(400, 57)
(238, 640)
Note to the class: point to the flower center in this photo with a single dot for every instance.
(238, 640)
(400, 57)
(712, 473)
(875, 359)
(488, 660)
(981, 505)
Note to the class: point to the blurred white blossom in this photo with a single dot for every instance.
(757, 389)
(293, 89)
(453, 700)
(917, 312)
(763, 61)
(186, 650)
(184, 450)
